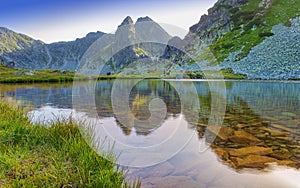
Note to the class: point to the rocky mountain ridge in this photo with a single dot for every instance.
(28, 53)
(32, 54)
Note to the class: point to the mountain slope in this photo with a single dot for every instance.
(259, 38)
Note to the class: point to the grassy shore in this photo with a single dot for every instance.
(226, 74)
(55, 156)
(13, 75)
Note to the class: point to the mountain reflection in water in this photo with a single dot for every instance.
(261, 125)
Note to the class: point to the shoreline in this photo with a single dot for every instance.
(20, 76)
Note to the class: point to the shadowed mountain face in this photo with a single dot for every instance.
(28, 53)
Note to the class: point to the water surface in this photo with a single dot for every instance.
(257, 145)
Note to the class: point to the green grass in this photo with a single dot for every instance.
(249, 16)
(226, 74)
(229, 74)
(13, 75)
(55, 156)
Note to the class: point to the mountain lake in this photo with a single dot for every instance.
(196, 133)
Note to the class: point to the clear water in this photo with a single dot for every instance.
(257, 146)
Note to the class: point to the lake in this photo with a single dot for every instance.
(182, 133)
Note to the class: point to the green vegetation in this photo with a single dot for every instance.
(13, 75)
(140, 52)
(252, 23)
(55, 156)
(10, 75)
(226, 73)
(12, 41)
(229, 74)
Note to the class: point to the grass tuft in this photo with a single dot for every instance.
(55, 156)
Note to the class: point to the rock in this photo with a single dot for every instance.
(243, 137)
(290, 123)
(254, 161)
(281, 154)
(241, 126)
(288, 163)
(252, 150)
(265, 123)
(287, 138)
(285, 128)
(220, 131)
(221, 152)
(275, 132)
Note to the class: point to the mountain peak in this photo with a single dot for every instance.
(5, 30)
(127, 21)
(144, 19)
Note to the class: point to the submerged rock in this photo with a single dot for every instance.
(254, 161)
(275, 132)
(243, 137)
(221, 132)
(252, 150)
(285, 129)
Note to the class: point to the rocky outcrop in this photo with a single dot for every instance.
(213, 25)
(174, 49)
(137, 45)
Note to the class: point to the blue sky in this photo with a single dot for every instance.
(63, 20)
